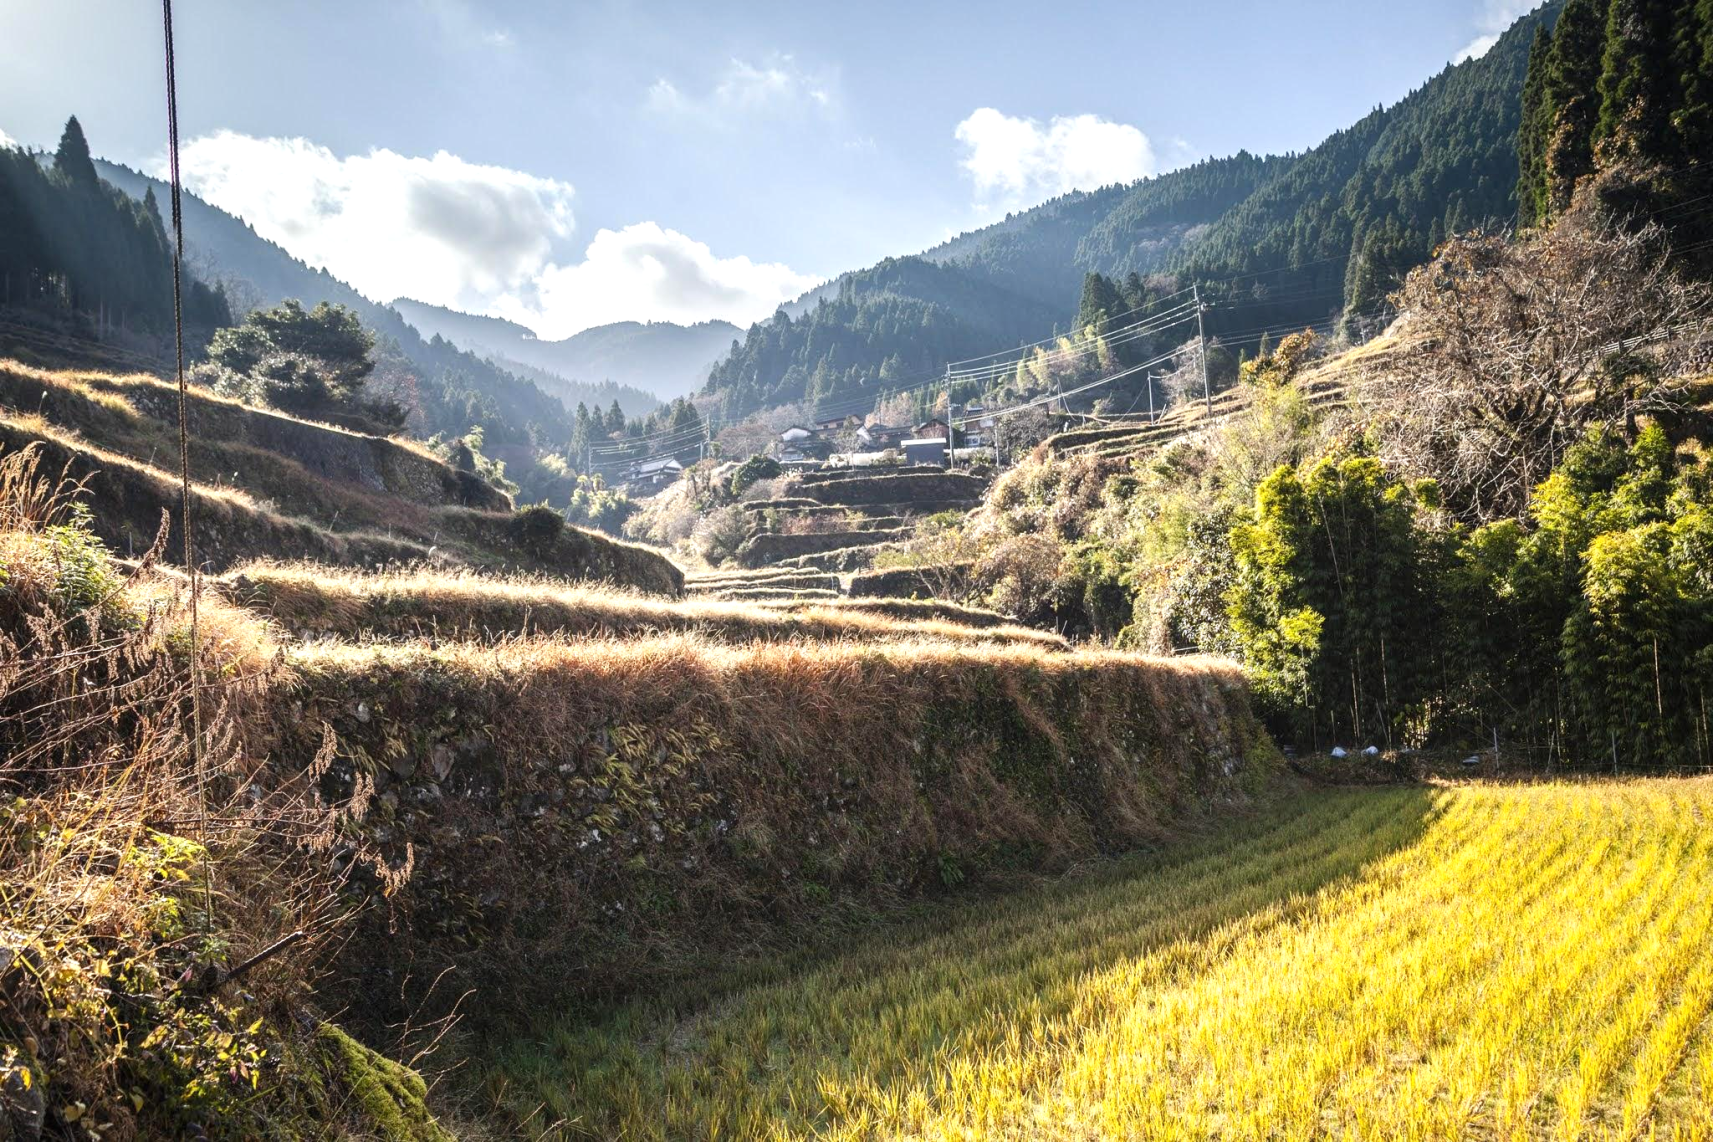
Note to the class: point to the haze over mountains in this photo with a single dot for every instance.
(222, 248)
(666, 359)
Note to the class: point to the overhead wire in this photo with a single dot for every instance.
(198, 761)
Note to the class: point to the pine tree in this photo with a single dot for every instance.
(1100, 303)
(1694, 64)
(152, 209)
(72, 159)
(1635, 82)
(1573, 76)
(1533, 135)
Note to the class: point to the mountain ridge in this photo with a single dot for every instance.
(661, 357)
(1275, 242)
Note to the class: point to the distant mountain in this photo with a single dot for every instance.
(665, 359)
(463, 389)
(1273, 242)
(884, 328)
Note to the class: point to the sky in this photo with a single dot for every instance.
(569, 164)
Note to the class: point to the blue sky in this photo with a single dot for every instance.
(568, 164)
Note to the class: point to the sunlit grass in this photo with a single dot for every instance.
(1482, 962)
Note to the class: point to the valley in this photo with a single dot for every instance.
(1221, 652)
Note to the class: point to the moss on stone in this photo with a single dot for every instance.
(390, 1098)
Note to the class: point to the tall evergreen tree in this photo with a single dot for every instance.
(72, 158)
(1100, 303)
(1636, 97)
(152, 208)
(1571, 92)
(1533, 136)
(1694, 65)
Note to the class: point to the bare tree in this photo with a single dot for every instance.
(1183, 381)
(1014, 436)
(1511, 349)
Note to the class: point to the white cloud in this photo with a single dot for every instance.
(440, 229)
(645, 272)
(1014, 161)
(744, 90)
(482, 239)
(7, 140)
(1496, 16)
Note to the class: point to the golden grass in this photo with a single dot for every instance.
(109, 389)
(591, 817)
(915, 609)
(1522, 962)
(316, 599)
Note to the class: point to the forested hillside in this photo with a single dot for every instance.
(1275, 241)
(1622, 84)
(658, 358)
(70, 242)
(886, 325)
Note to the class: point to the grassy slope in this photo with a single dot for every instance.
(1510, 962)
(311, 599)
(268, 483)
(604, 814)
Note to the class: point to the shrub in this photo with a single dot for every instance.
(720, 533)
(536, 529)
(309, 362)
(751, 470)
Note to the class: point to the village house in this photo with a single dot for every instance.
(880, 437)
(978, 425)
(798, 445)
(929, 429)
(655, 473)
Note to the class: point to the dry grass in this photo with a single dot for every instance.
(914, 609)
(111, 389)
(128, 497)
(1523, 962)
(768, 576)
(590, 816)
(275, 504)
(320, 600)
(135, 872)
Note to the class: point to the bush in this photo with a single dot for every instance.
(720, 533)
(536, 529)
(595, 505)
(309, 362)
(753, 469)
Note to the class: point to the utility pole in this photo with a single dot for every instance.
(1149, 381)
(951, 424)
(1201, 342)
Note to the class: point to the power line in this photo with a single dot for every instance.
(1145, 324)
(1055, 337)
(196, 753)
(633, 445)
(1047, 398)
(1119, 337)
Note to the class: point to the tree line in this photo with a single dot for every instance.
(1274, 241)
(1614, 81)
(71, 242)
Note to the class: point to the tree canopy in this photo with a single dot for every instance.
(70, 241)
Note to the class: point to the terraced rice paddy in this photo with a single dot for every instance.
(1492, 962)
